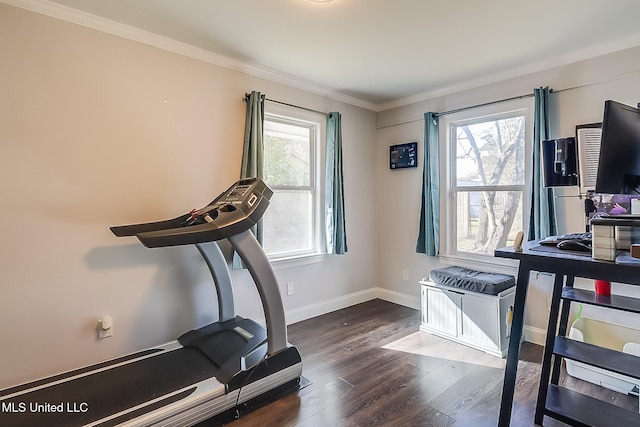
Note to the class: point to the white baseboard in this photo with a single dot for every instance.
(324, 307)
(533, 335)
(398, 298)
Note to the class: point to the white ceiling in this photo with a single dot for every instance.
(382, 53)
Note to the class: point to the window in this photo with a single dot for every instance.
(488, 148)
(291, 224)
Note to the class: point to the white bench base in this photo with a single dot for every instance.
(477, 320)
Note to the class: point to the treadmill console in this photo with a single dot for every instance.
(236, 210)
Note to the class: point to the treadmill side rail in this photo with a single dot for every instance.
(258, 265)
(236, 210)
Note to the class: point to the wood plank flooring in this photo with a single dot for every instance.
(369, 365)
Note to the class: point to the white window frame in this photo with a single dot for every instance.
(448, 203)
(317, 125)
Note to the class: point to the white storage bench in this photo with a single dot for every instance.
(470, 307)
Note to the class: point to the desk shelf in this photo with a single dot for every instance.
(616, 302)
(581, 410)
(610, 360)
(569, 406)
(553, 400)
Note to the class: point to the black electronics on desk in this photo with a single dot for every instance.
(619, 163)
(559, 163)
(615, 155)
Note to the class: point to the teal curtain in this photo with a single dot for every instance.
(429, 227)
(542, 221)
(336, 233)
(252, 151)
(253, 148)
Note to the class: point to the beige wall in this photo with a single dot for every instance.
(581, 89)
(97, 130)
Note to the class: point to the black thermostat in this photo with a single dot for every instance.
(403, 155)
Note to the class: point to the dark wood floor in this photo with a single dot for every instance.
(369, 365)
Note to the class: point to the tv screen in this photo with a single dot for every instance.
(619, 162)
(403, 155)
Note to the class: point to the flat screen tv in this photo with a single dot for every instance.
(403, 155)
(619, 162)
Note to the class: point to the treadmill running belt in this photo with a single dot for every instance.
(104, 393)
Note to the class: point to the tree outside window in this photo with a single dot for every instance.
(289, 170)
(489, 182)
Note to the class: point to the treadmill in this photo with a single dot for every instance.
(207, 370)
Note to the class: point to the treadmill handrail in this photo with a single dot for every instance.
(133, 229)
(238, 209)
(219, 270)
(264, 278)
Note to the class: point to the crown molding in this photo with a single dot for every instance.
(534, 67)
(75, 16)
(88, 20)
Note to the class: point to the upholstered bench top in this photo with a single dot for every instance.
(472, 280)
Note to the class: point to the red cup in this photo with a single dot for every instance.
(603, 288)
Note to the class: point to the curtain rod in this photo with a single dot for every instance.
(457, 110)
(444, 113)
(246, 96)
(578, 86)
(513, 98)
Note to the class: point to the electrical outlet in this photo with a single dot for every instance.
(105, 327)
(405, 275)
(290, 288)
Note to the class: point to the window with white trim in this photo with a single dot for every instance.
(291, 224)
(488, 177)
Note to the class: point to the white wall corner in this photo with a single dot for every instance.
(534, 335)
(324, 307)
(398, 298)
(531, 334)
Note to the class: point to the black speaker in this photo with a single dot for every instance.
(559, 165)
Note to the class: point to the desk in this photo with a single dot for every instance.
(565, 267)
